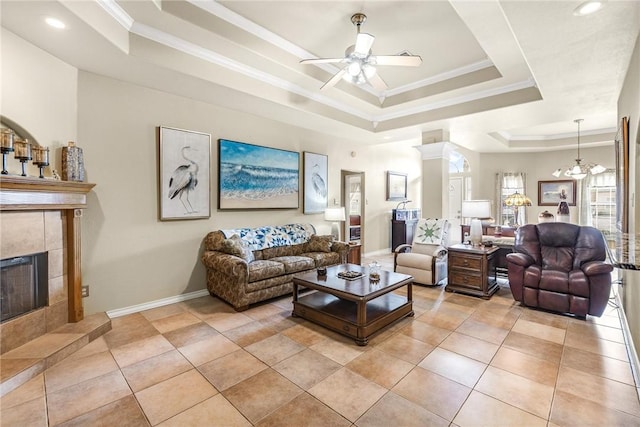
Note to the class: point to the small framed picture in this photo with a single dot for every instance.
(396, 186)
(316, 184)
(184, 174)
(550, 193)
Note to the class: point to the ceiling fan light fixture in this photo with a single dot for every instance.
(359, 63)
(354, 68)
(369, 70)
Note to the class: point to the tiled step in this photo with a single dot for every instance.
(25, 362)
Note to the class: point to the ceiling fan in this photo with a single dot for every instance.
(360, 63)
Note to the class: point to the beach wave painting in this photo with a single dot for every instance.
(255, 177)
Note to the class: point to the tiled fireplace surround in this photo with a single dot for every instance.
(25, 233)
(43, 216)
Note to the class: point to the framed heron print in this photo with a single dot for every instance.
(184, 174)
(255, 177)
(316, 184)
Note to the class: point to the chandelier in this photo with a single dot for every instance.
(579, 170)
(517, 199)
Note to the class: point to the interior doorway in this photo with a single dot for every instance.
(353, 197)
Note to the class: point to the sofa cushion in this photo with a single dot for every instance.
(279, 251)
(265, 269)
(323, 259)
(293, 264)
(320, 243)
(235, 246)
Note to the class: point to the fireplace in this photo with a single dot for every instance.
(23, 284)
(43, 215)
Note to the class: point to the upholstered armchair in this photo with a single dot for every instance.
(560, 267)
(426, 258)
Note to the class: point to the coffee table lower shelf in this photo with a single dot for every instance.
(342, 316)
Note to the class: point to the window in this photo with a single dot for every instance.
(507, 183)
(602, 202)
(458, 163)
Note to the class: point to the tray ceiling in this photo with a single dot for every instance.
(497, 76)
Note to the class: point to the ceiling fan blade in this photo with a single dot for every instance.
(403, 60)
(377, 82)
(334, 80)
(322, 60)
(363, 44)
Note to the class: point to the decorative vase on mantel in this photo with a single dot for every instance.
(72, 163)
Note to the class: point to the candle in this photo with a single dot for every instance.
(41, 156)
(45, 156)
(6, 140)
(22, 149)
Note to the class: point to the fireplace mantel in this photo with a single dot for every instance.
(35, 194)
(26, 193)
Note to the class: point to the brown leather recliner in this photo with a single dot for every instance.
(560, 267)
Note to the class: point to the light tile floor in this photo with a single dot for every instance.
(461, 361)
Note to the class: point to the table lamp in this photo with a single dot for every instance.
(335, 215)
(476, 210)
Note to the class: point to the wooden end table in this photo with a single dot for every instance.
(472, 270)
(356, 308)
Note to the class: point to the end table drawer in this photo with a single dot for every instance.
(466, 262)
(458, 278)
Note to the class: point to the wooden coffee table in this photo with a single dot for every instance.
(356, 308)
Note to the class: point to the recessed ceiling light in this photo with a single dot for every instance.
(55, 23)
(588, 7)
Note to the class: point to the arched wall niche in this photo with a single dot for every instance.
(20, 132)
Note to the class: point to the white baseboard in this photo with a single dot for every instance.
(157, 303)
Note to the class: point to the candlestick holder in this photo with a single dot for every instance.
(41, 158)
(6, 147)
(22, 149)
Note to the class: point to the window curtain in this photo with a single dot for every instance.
(584, 209)
(508, 183)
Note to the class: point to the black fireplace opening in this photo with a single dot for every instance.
(23, 285)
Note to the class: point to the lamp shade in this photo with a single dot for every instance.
(335, 214)
(517, 199)
(476, 208)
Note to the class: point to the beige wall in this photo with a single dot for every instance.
(39, 93)
(629, 106)
(130, 256)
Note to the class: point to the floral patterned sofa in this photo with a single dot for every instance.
(248, 265)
